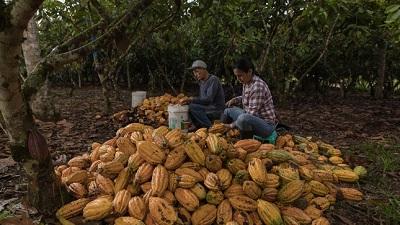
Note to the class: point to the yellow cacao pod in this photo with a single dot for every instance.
(269, 212)
(72, 209)
(346, 175)
(195, 153)
(217, 128)
(78, 190)
(186, 181)
(174, 138)
(234, 190)
(212, 182)
(137, 208)
(126, 146)
(257, 171)
(135, 161)
(321, 203)
(291, 191)
(199, 190)
(121, 201)
(79, 161)
(79, 176)
(159, 180)
(143, 174)
(122, 180)
(190, 172)
(213, 144)
(225, 178)
(234, 165)
(151, 152)
(98, 209)
(126, 220)
(320, 221)
(106, 185)
(318, 188)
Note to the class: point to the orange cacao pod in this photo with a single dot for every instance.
(252, 189)
(242, 202)
(224, 212)
(187, 199)
(175, 158)
(144, 173)
(137, 208)
(159, 180)
(161, 211)
(204, 215)
(213, 163)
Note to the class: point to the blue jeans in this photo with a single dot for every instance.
(247, 122)
(198, 114)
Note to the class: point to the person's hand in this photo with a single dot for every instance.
(229, 125)
(230, 103)
(185, 101)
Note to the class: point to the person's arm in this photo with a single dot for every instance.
(212, 91)
(234, 101)
(257, 95)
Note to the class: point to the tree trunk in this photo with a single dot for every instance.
(30, 46)
(102, 73)
(128, 75)
(380, 83)
(16, 117)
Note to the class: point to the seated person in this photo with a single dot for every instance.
(257, 117)
(211, 99)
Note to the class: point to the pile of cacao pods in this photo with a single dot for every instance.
(160, 176)
(155, 109)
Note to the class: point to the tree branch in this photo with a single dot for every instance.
(320, 56)
(54, 60)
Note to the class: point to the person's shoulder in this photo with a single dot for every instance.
(214, 78)
(259, 82)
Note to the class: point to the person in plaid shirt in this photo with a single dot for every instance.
(257, 117)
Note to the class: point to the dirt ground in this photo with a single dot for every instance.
(347, 124)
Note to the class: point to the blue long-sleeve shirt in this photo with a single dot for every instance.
(211, 93)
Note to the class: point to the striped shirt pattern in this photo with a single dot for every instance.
(257, 100)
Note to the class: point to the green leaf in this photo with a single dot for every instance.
(393, 17)
(391, 9)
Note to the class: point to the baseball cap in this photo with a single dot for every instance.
(198, 64)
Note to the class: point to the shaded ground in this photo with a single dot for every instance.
(368, 131)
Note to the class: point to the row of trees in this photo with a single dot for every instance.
(296, 46)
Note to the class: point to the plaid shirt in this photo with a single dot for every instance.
(257, 100)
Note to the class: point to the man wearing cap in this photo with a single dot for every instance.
(211, 100)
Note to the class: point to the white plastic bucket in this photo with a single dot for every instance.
(137, 98)
(178, 117)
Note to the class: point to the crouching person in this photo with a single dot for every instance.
(210, 103)
(257, 115)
